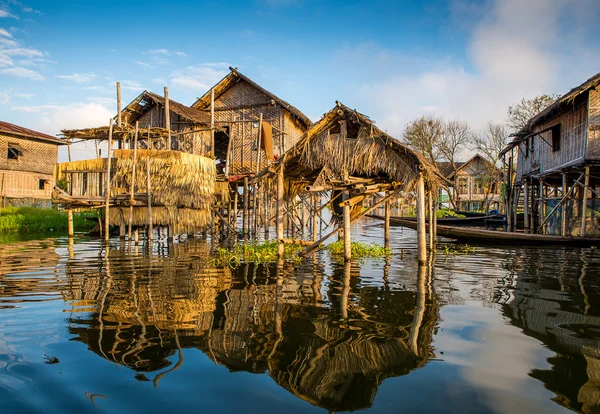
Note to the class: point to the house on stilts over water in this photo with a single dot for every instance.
(188, 160)
(554, 166)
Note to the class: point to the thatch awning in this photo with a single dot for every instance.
(326, 155)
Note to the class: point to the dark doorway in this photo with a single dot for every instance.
(221, 144)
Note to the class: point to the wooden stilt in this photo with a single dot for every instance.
(435, 220)
(149, 191)
(212, 121)
(431, 229)
(347, 238)
(315, 217)
(131, 194)
(542, 208)
(107, 195)
(525, 207)
(167, 119)
(417, 321)
(279, 206)
(119, 104)
(345, 296)
(509, 196)
(235, 207)
(70, 221)
(584, 200)
(563, 224)
(421, 231)
(245, 223)
(386, 225)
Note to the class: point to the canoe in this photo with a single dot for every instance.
(452, 221)
(481, 236)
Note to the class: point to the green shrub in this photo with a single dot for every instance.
(256, 252)
(41, 220)
(359, 250)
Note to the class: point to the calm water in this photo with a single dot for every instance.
(83, 329)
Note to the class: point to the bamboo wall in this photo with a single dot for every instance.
(573, 142)
(593, 151)
(243, 126)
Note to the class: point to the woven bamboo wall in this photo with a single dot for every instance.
(593, 150)
(573, 142)
(37, 156)
(22, 184)
(244, 135)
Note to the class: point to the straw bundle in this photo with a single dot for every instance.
(182, 220)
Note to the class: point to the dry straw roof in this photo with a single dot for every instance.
(365, 151)
(140, 105)
(552, 110)
(234, 77)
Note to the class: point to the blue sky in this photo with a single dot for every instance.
(393, 60)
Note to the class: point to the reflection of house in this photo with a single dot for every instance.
(559, 148)
(26, 166)
(475, 183)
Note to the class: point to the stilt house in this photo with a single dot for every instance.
(26, 166)
(554, 166)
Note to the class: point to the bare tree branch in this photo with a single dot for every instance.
(521, 113)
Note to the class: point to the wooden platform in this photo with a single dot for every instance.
(480, 236)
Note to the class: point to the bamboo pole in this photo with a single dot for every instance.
(119, 104)
(315, 217)
(245, 224)
(585, 200)
(386, 226)
(135, 138)
(347, 238)
(563, 224)
(431, 220)
(542, 229)
(235, 207)
(70, 221)
(107, 207)
(69, 148)
(421, 235)
(148, 190)
(415, 326)
(525, 206)
(259, 143)
(212, 121)
(167, 119)
(279, 206)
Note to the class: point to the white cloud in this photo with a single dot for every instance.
(143, 64)
(158, 52)
(79, 77)
(23, 51)
(4, 42)
(4, 13)
(516, 50)
(180, 54)
(200, 77)
(22, 72)
(128, 85)
(5, 33)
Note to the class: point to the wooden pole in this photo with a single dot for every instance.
(279, 206)
(435, 220)
(245, 224)
(542, 229)
(431, 220)
(421, 231)
(386, 226)
(563, 224)
(257, 169)
(70, 221)
(315, 223)
(235, 206)
(347, 238)
(119, 104)
(106, 213)
(585, 200)
(212, 121)
(167, 119)
(525, 206)
(131, 195)
(69, 148)
(148, 190)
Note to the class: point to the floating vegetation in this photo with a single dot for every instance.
(41, 220)
(456, 249)
(444, 212)
(257, 252)
(359, 250)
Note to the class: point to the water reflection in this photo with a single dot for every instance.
(139, 310)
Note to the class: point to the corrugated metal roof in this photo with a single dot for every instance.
(26, 132)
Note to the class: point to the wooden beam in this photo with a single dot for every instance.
(107, 206)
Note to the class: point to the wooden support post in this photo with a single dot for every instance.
(584, 200)
(70, 221)
(245, 224)
(167, 119)
(525, 207)
(347, 238)
(431, 220)
(563, 224)
(421, 231)
(235, 207)
(435, 219)
(135, 236)
(131, 194)
(69, 148)
(542, 208)
(107, 195)
(315, 217)
(149, 191)
(279, 206)
(386, 225)
(212, 121)
(122, 227)
(257, 169)
(119, 104)
(509, 196)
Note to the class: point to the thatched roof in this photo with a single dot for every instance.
(140, 105)
(236, 76)
(554, 109)
(365, 151)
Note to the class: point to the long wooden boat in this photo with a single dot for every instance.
(452, 221)
(481, 236)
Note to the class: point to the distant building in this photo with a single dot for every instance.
(475, 184)
(26, 166)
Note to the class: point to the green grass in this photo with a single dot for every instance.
(359, 250)
(256, 252)
(41, 220)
